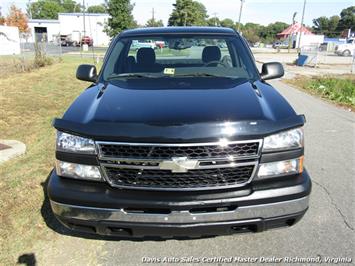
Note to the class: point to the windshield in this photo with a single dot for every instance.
(176, 56)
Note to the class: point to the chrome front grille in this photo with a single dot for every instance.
(166, 151)
(193, 179)
(197, 166)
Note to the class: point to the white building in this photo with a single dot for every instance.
(70, 23)
(307, 40)
(43, 28)
(94, 26)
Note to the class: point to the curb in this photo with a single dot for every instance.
(17, 148)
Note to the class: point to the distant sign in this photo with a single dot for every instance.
(9, 40)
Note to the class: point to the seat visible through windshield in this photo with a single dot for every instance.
(175, 56)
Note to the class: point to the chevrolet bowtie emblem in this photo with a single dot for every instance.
(179, 164)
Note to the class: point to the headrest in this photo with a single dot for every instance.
(211, 53)
(145, 56)
(130, 60)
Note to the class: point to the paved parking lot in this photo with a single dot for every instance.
(328, 63)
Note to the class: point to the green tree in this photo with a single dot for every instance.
(96, 9)
(327, 26)
(268, 33)
(227, 22)
(45, 9)
(49, 9)
(154, 23)
(121, 17)
(333, 25)
(70, 6)
(188, 12)
(251, 35)
(200, 13)
(252, 32)
(213, 21)
(320, 24)
(347, 19)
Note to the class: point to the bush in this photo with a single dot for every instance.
(17, 64)
(41, 59)
(336, 89)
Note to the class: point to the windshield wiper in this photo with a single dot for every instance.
(201, 74)
(132, 75)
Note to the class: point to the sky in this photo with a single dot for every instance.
(256, 11)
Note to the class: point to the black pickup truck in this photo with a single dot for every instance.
(188, 140)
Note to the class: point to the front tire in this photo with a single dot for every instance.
(346, 53)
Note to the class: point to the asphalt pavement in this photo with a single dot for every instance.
(326, 231)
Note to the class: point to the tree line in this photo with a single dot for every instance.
(194, 13)
(333, 26)
(184, 13)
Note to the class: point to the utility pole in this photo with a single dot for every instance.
(185, 13)
(289, 36)
(299, 39)
(84, 16)
(29, 9)
(153, 19)
(215, 18)
(240, 13)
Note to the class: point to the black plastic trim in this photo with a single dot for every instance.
(199, 132)
(93, 194)
(139, 230)
(281, 155)
(88, 159)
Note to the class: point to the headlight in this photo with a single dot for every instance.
(281, 168)
(78, 171)
(71, 143)
(290, 139)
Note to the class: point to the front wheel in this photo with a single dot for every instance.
(346, 53)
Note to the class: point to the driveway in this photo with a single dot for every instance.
(327, 230)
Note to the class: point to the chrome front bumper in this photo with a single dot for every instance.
(261, 211)
(91, 207)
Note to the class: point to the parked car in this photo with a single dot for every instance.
(346, 49)
(188, 145)
(276, 45)
(87, 40)
(160, 44)
(63, 40)
(66, 40)
(74, 39)
(143, 44)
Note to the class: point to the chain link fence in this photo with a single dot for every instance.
(56, 48)
(325, 57)
(45, 51)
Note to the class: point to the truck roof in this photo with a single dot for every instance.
(178, 30)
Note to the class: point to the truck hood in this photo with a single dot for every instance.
(186, 110)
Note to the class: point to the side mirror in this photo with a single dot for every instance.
(272, 70)
(86, 73)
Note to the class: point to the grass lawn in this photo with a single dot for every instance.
(338, 89)
(28, 103)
